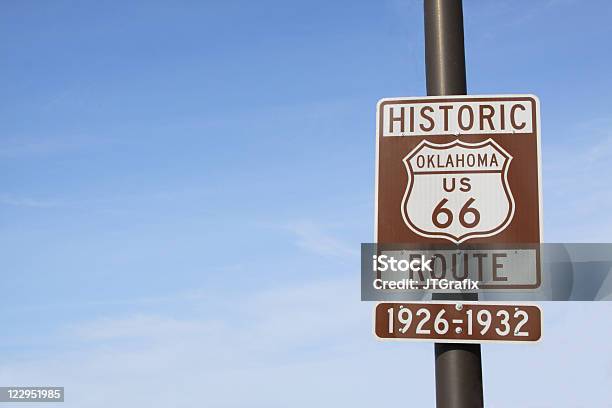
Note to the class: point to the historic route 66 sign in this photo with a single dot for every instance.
(458, 169)
(449, 185)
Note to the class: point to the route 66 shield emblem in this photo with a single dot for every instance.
(457, 190)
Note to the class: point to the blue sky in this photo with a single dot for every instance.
(184, 187)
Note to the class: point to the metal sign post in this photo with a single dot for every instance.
(458, 366)
(460, 174)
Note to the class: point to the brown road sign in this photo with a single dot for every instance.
(458, 322)
(457, 169)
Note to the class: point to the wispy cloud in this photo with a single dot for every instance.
(295, 314)
(138, 326)
(314, 237)
(118, 203)
(18, 147)
(28, 202)
(298, 346)
(576, 180)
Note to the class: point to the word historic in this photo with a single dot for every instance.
(470, 117)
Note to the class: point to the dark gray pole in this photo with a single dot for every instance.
(444, 49)
(458, 366)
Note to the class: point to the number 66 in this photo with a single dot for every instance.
(465, 210)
